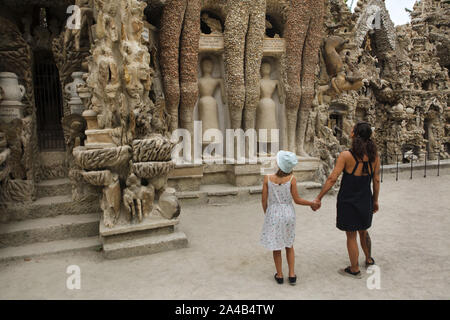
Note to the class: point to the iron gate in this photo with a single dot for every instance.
(49, 105)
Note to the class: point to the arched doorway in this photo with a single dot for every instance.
(48, 98)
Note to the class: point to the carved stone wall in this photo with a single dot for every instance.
(403, 90)
(20, 133)
(126, 151)
(335, 67)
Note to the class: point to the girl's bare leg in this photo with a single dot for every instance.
(352, 247)
(366, 244)
(290, 256)
(278, 264)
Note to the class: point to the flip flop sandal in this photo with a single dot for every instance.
(368, 264)
(293, 280)
(278, 280)
(347, 272)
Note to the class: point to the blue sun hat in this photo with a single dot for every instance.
(286, 161)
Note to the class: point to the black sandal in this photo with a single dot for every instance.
(348, 272)
(278, 280)
(370, 263)
(293, 280)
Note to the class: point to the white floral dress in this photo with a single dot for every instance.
(279, 222)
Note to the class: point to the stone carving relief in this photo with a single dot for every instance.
(138, 199)
(17, 121)
(126, 152)
(341, 79)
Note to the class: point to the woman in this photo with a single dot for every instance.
(356, 204)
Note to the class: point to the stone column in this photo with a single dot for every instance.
(243, 37)
(303, 35)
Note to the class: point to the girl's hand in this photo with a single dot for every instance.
(375, 206)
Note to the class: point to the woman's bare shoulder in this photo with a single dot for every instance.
(346, 154)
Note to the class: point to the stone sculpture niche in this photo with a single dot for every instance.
(271, 30)
(267, 113)
(214, 25)
(207, 105)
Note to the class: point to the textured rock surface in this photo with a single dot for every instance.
(243, 38)
(303, 33)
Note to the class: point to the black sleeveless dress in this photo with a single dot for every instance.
(354, 201)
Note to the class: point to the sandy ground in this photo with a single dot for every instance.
(410, 235)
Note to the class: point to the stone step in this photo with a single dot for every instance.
(51, 207)
(48, 229)
(227, 192)
(49, 248)
(54, 187)
(145, 245)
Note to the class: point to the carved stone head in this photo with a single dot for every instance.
(266, 68)
(207, 66)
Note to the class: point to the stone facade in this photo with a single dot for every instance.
(135, 71)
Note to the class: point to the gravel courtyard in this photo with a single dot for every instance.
(410, 238)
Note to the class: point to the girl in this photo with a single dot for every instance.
(356, 204)
(279, 222)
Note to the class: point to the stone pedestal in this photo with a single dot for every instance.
(10, 112)
(77, 108)
(99, 138)
(211, 43)
(186, 177)
(152, 235)
(189, 177)
(274, 46)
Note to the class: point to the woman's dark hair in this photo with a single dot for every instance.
(362, 143)
(281, 174)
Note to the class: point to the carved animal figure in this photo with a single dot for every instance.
(336, 69)
(333, 45)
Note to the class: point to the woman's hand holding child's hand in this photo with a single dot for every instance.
(316, 205)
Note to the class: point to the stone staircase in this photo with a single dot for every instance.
(54, 223)
(223, 193)
(219, 183)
